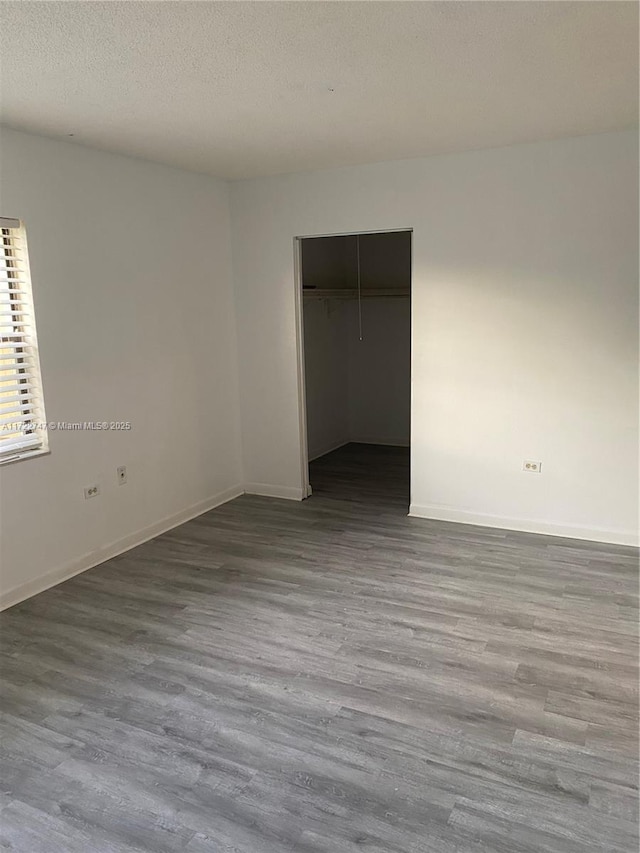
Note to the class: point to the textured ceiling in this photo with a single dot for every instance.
(241, 89)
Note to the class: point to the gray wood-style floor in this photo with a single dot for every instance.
(327, 676)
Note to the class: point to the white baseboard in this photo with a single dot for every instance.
(107, 552)
(290, 493)
(329, 449)
(434, 512)
(524, 525)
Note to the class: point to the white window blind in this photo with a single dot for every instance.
(21, 403)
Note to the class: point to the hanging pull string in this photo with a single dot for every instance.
(359, 288)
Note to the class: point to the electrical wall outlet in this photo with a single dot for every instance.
(121, 472)
(91, 491)
(532, 467)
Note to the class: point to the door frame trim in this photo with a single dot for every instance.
(305, 487)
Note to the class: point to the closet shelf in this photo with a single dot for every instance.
(344, 293)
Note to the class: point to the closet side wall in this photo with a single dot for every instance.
(326, 375)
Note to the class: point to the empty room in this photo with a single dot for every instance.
(319, 426)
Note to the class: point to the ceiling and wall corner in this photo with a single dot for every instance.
(243, 89)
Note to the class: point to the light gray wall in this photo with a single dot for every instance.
(524, 329)
(132, 287)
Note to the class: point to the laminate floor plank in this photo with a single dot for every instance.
(328, 676)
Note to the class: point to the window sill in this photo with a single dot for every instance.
(20, 455)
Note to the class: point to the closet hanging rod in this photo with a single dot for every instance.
(344, 293)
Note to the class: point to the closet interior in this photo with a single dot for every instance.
(357, 354)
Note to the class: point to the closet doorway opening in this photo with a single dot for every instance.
(354, 353)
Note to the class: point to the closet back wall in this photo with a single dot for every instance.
(379, 369)
(357, 390)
